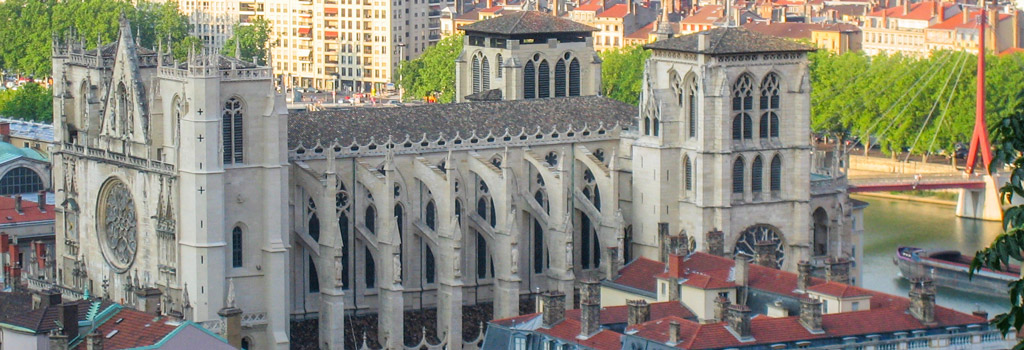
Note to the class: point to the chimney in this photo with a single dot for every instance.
(673, 332)
(58, 341)
(46, 298)
(5, 242)
(922, 300)
(803, 279)
(810, 315)
(67, 314)
(17, 204)
(1016, 29)
(41, 201)
(148, 300)
(980, 313)
(664, 238)
(702, 45)
(679, 244)
(764, 254)
(490, 3)
(637, 312)
(94, 341)
(941, 10)
(5, 131)
(837, 270)
(614, 263)
(714, 240)
(966, 13)
(721, 308)
(675, 265)
(906, 7)
(554, 308)
(590, 305)
(741, 271)
(739, 321)
(40, 254)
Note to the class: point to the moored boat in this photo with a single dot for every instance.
(948, 268)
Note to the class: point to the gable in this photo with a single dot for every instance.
(125, 113)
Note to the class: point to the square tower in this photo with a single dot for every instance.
(724, 143)
(525, 55)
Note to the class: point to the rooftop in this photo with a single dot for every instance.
(30, 211)
(29, 130)
(729, 40)
(434, 121)
(527, 22)
(796, 30)
(616, 11)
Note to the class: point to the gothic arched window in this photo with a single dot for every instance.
(737, 175)
(236, 247)
(313, 222)
(313, 277)
(543, 80)
(776, 176)
(430, 215)
(742, 93)
(647, 125)
(538, 247)
(529, 81)
(820, 236)
(429, 266)
(756, 174)
(770, 92)
(691, 106)
(560, 78)
(481, 256)
(688, 173)
(399, 221)
(590, 252)
(370, 219)
(476, 74)
(231, 122)
(370, 273)
(742, 127)
(341, 204)
(574, 77)
(485, 74)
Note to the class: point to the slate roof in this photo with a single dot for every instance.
(729, 40)
(30, 130)
(796, 30)
(41, 320)
(434, 120)
(489, 95)
(527, 22)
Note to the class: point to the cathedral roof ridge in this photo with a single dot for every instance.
(729, 40)
(527, 22)
(473, 124)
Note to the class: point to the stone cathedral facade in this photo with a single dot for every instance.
(191, 178)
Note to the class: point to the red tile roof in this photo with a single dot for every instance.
(957, 21)
(617, 11)
(922, 11)
(796, 30)
(495, 8)
(1012, 50)
(591, 7)
(705, 15)
(640, 274)
(30, 211)
(569, 329)
(839, 290)
(643, 33)
(702, 281)
(131, 329)
(619, 314)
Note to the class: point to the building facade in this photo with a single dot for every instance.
(189, 177)
(162, 168)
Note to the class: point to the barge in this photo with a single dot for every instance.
(948, 268)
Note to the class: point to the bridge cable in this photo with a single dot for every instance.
(932, 111)
(945, 109)
(912, 99)
(891, 106)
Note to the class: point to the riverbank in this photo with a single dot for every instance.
(921, 197)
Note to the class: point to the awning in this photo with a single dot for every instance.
(304, 30)
(331, 10)
(330, 34)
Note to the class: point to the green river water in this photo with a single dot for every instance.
(891, 223)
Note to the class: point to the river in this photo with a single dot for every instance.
(891, 223)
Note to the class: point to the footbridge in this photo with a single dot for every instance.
(924, 182)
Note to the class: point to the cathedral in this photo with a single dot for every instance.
(191, 179)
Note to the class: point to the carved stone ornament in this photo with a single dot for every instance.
(118, 226)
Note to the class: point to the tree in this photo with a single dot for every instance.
(27, 27)
(250, 40)
(622, 73)
(1009, 137)
(29, 102)
(433, 73)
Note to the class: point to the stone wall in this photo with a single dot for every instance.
(897, 166)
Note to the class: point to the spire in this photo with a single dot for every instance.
(238, 49)
(230, 302)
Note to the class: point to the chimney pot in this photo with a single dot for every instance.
(673, 332)
(17, 204)
(739, 320)
(94, 341)
(554, 308)
(721, 309)
(41, 201)
(980, 313)
(922, 300)
(837, 269)
(637, 312)
(68, 316)
(614, 263)
(803, 280)
(5, 131)
(741, 270)
(590, 303)
(810, 314)
(764, 254)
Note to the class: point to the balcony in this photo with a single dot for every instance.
(434, 14)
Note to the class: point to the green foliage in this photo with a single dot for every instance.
(181, 49)
(925, 104)
(622, 72)
(1008, 137)
(27, 27)
(433, 72)
(250, 40)
(29, 102)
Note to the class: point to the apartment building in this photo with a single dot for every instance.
(328, 44)
(920, 28)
